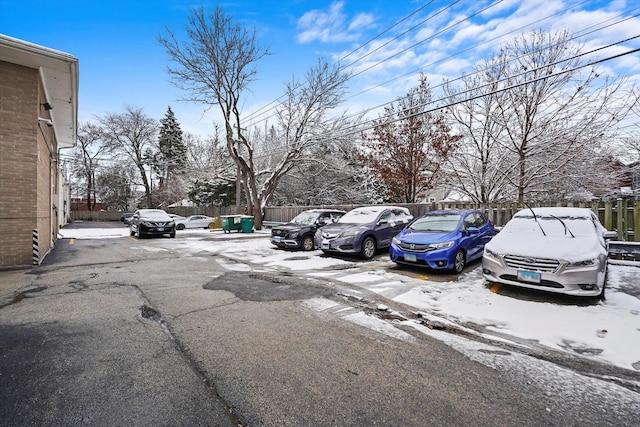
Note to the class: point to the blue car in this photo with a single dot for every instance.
(442, 240)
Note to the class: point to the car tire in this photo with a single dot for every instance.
(172, 234)
(307, 243)
(459, 262)
(368, 248)
(139, 234)
(180, 227)
(602, 296)
(131, 233)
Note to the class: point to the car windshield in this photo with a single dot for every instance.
(305, 218)
(577, 225)
(153, 212)
(447, 222)
(360, 216)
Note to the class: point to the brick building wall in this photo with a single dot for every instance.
(25, 173)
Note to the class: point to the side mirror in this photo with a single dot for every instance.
(320, 223)
(472, 230)
(609, 235)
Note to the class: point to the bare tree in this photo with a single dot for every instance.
(209, 167)
(133, 135)
(545, 112)
(303, 124)
(332, 174)
(207, 156)
(85, 160)
(482, 168)
(214, 67)
(631, 143)
(115, 186)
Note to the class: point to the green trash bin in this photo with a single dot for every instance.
(231, 222)
(247, 224)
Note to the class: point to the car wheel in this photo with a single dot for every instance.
(368, 249)
(131, 233)
(139, 234)
(459, 261)
(172, 234)
(307, 243)
(180, 227)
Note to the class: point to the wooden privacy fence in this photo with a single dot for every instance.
(181, 210)
(622, 216)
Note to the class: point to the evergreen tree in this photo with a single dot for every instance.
(171, 159)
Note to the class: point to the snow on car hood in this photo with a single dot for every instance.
(291, 226)
(567, 248)
(155, 217)
(338, 227)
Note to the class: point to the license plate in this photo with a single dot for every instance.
(160, 228)
(324, 245)
(277, 239)
(528, 276)
(410, 258)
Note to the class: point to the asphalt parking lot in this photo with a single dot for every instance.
(544, 322)
(274, 335)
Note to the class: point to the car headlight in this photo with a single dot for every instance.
(350, 232)
(584, 263)
(490, 253)
(395, 241)
(442, 245)
(147, 224)
(293, 234)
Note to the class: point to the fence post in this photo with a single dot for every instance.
(636, 221)
(620, 220)
(608, 216)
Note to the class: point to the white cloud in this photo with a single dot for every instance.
(331, 26)
(361, 21)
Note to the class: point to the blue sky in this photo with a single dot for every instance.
(121, 62)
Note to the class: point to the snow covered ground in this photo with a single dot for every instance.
(608, 331)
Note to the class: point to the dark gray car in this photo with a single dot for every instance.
(362, 231)
(151, 222)
(300, 232)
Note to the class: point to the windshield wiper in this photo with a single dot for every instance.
(565, 226)
(535, 218)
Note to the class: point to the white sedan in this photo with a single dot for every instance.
(193, 221)
(561, 250)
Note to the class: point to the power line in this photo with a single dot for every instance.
(258, 112)
(358, 129)
(479, 71)
(252, 115)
